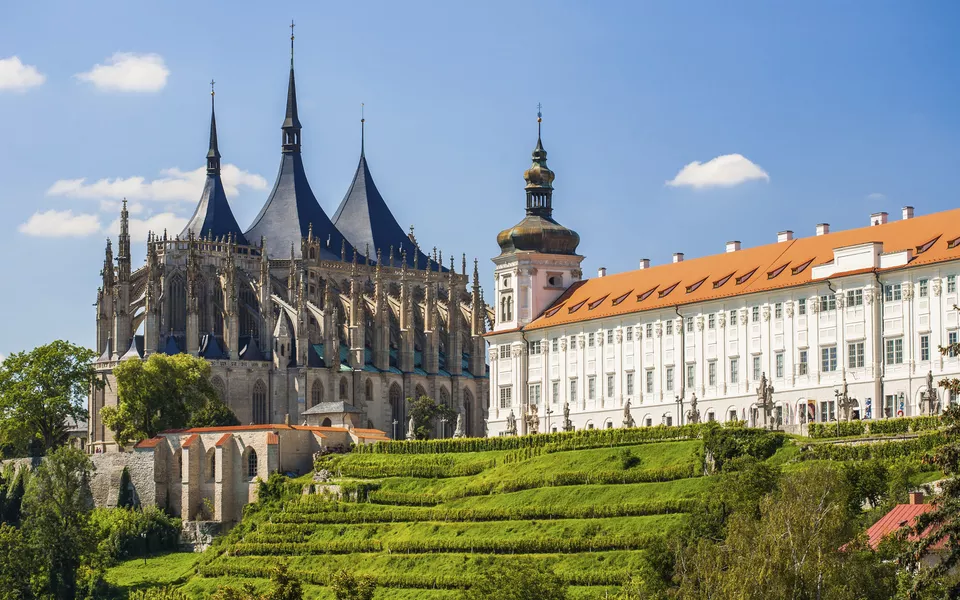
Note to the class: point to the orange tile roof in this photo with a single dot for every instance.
(268, 427)
(224, 439)
(150, 443)
(932, 238)
(273, 439)
(902, 515)
(190, 440)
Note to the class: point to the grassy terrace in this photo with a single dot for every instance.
(426, 525)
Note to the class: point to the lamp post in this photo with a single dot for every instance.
(143, 536)
(443, 423)
(679, 401)
(394, 429)
(548, 412)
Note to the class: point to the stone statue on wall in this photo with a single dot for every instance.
(627, 417)
(765, 399)
(532, 419)
(567, 423)
(458, 432)
(511, 423)
(693, 415)
(411, 431)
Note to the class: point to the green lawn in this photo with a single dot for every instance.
(165, 569)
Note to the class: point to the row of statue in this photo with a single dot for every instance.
(458, 432)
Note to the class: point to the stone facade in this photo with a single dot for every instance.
(210, 474)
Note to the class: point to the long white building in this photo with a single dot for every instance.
(869, 306)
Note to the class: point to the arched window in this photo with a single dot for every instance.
(180, 464)
(316, 393)
(467, 412)
(252, 464)
(220, 387)
(326, 422)
(343, 388)
(178, 304)
(211, 464)
(397, 406)
(509, 308)
(368, 391)
(259, 402)
(420, 392)
(444, 397)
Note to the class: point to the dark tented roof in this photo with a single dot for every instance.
(365, 220)
(213, 214)
(323, 408)
(289, 211)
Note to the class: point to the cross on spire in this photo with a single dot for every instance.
(292, 25)
(362, 121)
(539, 118)
(212, 83)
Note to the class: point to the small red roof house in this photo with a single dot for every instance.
(904, 515)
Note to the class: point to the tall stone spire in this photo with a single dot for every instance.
(123, 242)
(291, 123)
(213, 154)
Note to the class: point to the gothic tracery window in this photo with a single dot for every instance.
(396, 403)
(316, 393)
(220, 387)
(343, 388)
(252, 464)
(259, 403)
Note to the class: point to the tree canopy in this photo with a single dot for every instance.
(164, 392)
(425, 411)
(43, 391)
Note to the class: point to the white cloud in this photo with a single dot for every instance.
(156, 223)
(16, 76)
(174, 185)
(60, 223)
(876, 196)
(129, 72)
(723, 171)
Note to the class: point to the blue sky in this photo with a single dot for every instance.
(838, 109)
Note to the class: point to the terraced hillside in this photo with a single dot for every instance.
(426, 519)
(426, 525)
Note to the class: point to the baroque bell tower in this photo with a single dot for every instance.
(538, 257)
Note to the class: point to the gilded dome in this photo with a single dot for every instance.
(539, 233)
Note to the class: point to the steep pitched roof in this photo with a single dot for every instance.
(289, 211)
(213, 215)
(366, 221)
(931, 239)
(900, 516)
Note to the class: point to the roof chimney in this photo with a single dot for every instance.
(677, 257)
(785, 236)
(733, 246)
(907, 212)
(644, 263)
(916, 498)
(879, 218)
(602, 272)
(823, 228)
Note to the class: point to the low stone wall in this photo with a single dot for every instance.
(105, 485)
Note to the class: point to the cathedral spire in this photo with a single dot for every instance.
(123, 241)
(213, 154)
(291, 124)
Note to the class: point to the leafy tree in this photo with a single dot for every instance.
(522, 583)
(56, 519)
(41, 391)
(166, 593)
(164, 392)
(17, 564)
(16, 481)
(799, 547)
(741, 486)
(285, 586)
(425, 411)
(347, 586)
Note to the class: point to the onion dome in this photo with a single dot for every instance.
(538, 231)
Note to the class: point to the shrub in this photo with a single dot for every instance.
(723, 444)
(126, 532)
(628, 460)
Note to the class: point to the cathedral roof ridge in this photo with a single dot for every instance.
(779, 265)
(366, 220)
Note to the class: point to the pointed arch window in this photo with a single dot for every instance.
(252, 464)
(343, 388)
(316, 393)
(220, 387)
(259, 402)
(467, 412)
(368, 391)
(420, 392)
(396, 404)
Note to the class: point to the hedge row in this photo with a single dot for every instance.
(877, 450)
(551, 442)
(878, 427)
(545, 545)
(411, 580)
(466, 515)
(401, 466)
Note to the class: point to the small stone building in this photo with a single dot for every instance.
(210, 473)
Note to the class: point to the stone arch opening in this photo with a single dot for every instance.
(259, 402)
